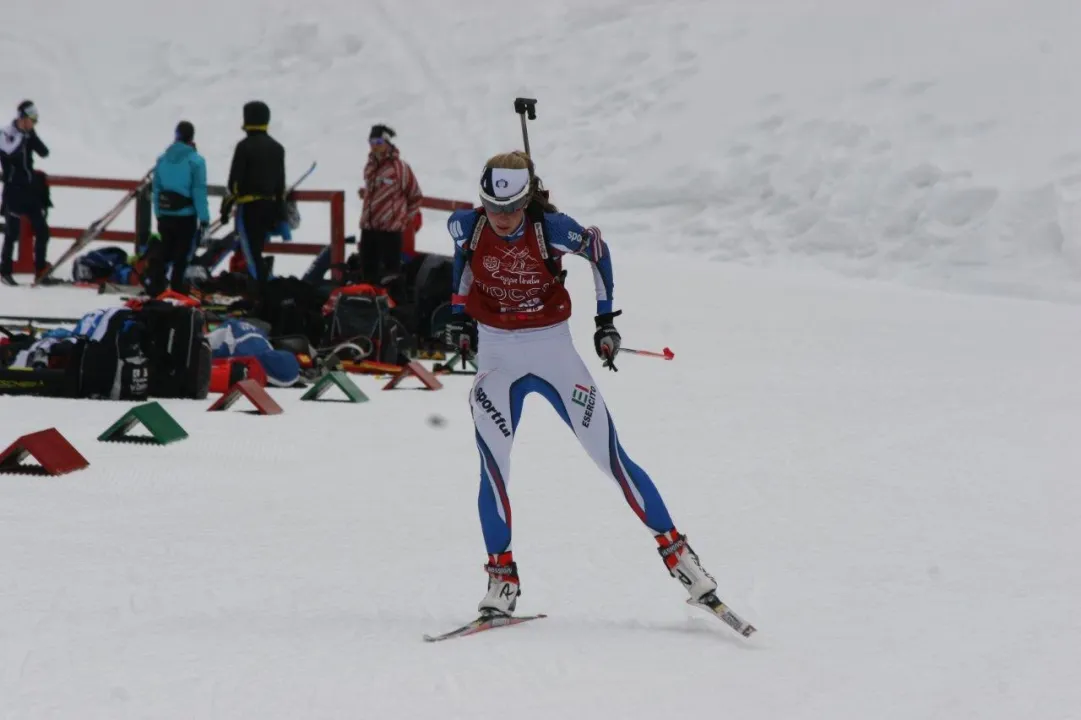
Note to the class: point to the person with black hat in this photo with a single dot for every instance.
(182, 209)
(22, 195)
(256, 188)
(391, 203)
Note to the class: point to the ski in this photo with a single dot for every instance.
(111, 288)
(712, 604)
(217, 224)
(302, 178)
(490, 622)
(92, 232)
(214, 253)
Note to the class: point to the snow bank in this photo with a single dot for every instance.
(928, 142)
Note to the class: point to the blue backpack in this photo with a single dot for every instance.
(109, 264)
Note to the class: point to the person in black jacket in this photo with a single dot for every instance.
(22, 195)
(256, 188)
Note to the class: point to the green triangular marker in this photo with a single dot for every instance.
(160, 424)
(467, 364)
(339, 379)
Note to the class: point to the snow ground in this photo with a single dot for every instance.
(883, 479)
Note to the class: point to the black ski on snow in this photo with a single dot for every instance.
(484, 622)
(95, 229)
(217, 224)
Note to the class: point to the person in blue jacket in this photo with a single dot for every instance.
(181, 207)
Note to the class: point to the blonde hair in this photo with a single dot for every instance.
(519, 160)
(516, 160)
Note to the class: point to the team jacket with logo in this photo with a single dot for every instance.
(506, 282)
(17, 150)
(392, 194)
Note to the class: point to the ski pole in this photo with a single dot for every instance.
(667, 353)
(524, 106)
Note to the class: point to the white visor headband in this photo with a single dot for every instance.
(505, 190)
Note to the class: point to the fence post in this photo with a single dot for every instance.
(24, 258)
(144, 214)
(337, 234)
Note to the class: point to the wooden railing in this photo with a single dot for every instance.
(24, 261)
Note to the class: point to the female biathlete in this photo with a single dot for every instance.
(510, 305)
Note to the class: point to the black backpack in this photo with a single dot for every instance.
(364, 319)
(111, 363)
(294, 307)
(17, 342)
(435, 281)
(178, 350)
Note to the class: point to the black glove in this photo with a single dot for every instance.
(606, 339)
(200, 234)
(226, 210)
(461, 333)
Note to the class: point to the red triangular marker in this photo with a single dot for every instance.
(250, 389)
(415, 369)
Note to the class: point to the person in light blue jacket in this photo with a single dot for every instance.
(180, 204)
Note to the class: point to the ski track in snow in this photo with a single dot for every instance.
(882, 478)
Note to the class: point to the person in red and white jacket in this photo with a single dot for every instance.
(391, 197)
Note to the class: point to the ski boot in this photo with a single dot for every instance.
(683, 564)
(503, 586)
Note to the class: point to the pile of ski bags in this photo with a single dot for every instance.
(158, 350)
(163, 349)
